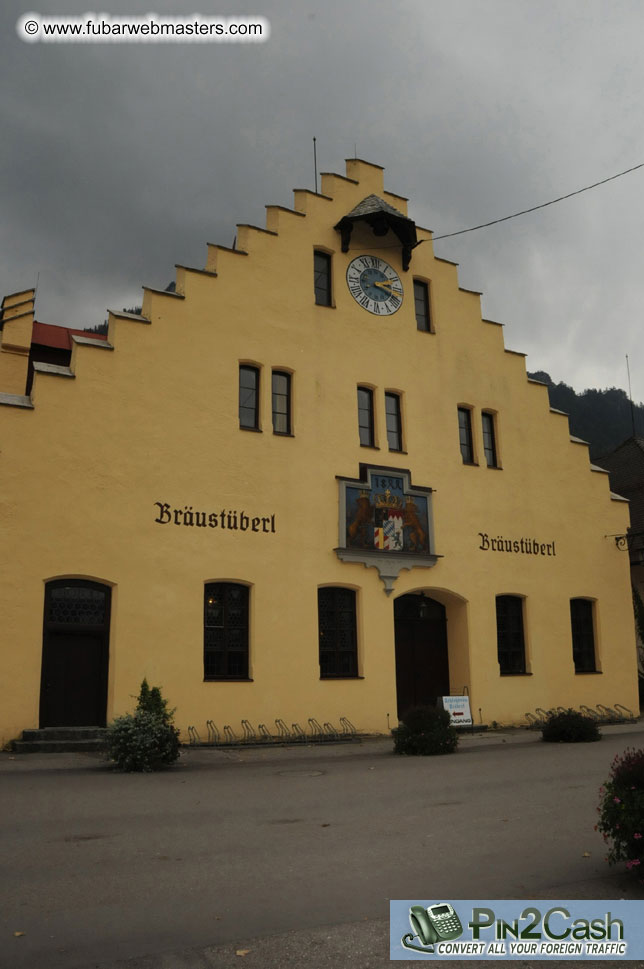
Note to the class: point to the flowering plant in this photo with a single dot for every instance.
(621, 810)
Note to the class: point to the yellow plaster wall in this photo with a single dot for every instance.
(156, 420)
(17, 317)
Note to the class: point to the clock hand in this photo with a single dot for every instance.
(387, 286)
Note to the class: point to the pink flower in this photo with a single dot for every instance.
(633, 863)
(617, 800)
(637, 836)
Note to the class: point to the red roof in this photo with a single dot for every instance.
(49, 335)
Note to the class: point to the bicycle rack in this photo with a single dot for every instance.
(264, 735)
(317, 733)
(590, 712)
(608, 715)
(331, 732)
(284, 735)
(628, 714)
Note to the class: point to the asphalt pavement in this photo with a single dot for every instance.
(281, 858)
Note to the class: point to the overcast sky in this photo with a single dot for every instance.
(118, 161)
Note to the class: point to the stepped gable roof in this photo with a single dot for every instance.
(59, 337)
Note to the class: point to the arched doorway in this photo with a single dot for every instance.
(422, 667)
(76, 628)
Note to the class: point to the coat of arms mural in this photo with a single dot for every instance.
(385, 523)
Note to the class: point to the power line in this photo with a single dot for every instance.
(485, 225)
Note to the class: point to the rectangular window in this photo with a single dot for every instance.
(489, 441)
(225, 631)
(337, 632)
(465, 435)
(509, 634)
(322, 278)
(281, 402)
(583, 635)
(365, 416)
(394, 426)
(421, 304)
(249, 397)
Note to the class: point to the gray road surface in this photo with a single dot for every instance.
(292, 854)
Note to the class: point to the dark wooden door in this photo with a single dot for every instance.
(75, 659)
(422, 667)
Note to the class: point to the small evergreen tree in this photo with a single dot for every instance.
(146, 740)
(151, 701)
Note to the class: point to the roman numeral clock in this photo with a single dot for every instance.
(375, 285)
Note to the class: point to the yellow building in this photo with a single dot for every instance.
(311, 482)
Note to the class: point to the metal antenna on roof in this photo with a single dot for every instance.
(630, 395)
(315, 163)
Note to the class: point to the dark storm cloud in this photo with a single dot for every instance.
(119, 161)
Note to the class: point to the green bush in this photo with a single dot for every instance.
(151, 701)
(621, 811)
(425, 730)
(570, 727)
(146, 740)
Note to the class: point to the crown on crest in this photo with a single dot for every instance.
(387, 500)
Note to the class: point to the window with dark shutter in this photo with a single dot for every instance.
(337, 632)
(583, 635)
(509, 633)
(225, 631)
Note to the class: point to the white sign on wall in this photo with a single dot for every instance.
(458, 708)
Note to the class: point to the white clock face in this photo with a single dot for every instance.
(375, 285)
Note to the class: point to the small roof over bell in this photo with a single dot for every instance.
(381, 217)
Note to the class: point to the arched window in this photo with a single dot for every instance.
(225, 654)
(337, 632)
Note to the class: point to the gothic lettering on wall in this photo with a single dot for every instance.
(225, 519)
(517, 546)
